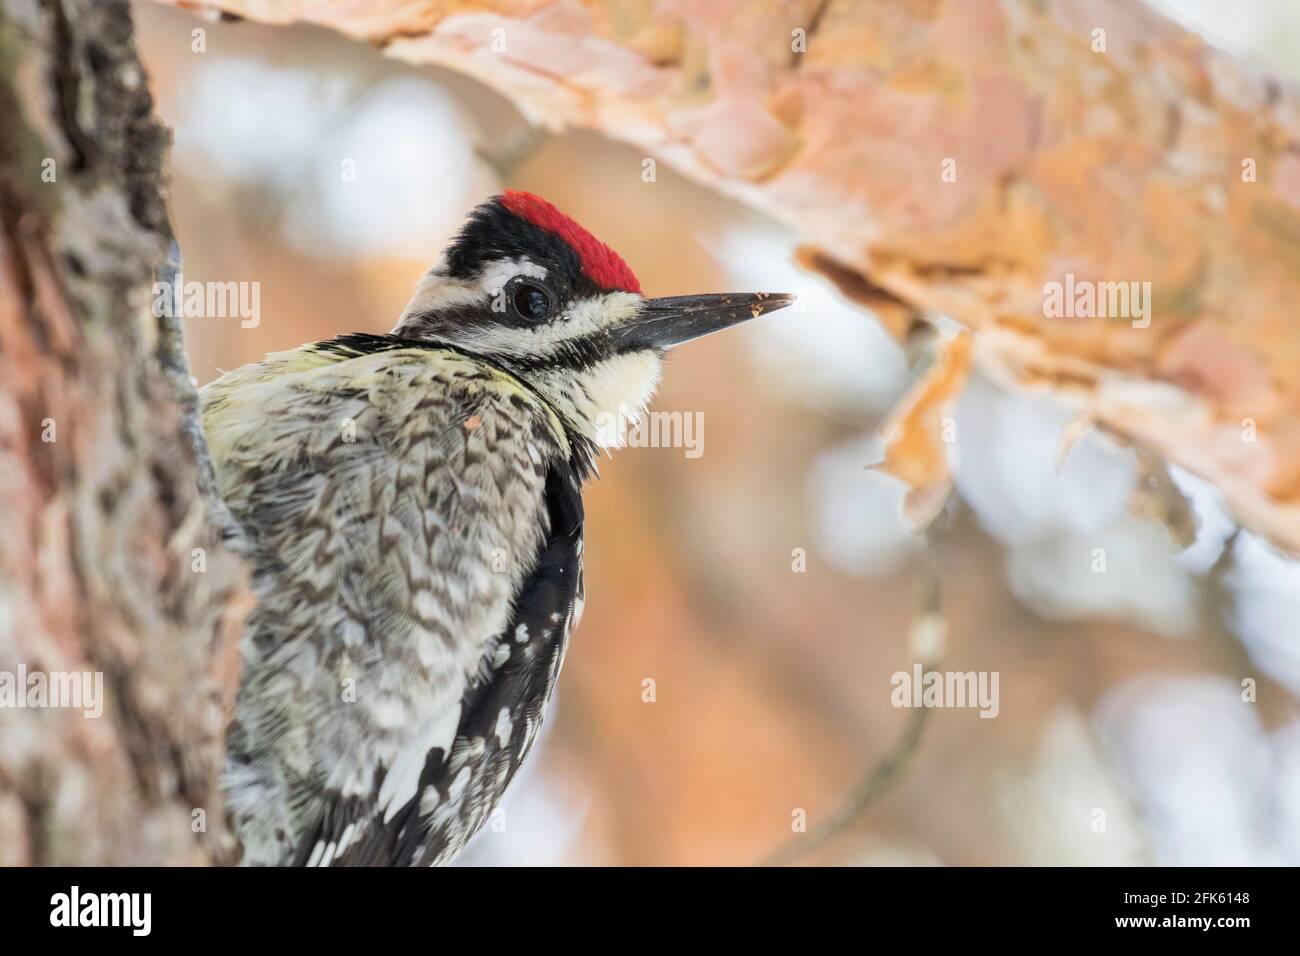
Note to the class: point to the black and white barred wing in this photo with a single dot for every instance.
(461, 785)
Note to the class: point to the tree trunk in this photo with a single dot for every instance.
(109, 564)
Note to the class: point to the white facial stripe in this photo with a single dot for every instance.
(496, 275)
(591, 315)
(545, 339)
(608, 389)
(437, 290)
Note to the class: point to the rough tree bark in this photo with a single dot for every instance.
(108, 562)
(954, 156)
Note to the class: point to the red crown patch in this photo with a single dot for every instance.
(601, 264)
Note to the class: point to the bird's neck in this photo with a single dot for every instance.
(598, 402)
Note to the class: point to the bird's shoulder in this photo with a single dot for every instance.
(312, 399)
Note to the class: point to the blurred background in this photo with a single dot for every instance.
(767, 587)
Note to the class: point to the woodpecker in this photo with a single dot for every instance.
(411, 505)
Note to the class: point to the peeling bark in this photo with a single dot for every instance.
(955, 156)
(109, 563)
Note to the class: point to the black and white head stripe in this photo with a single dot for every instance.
(517, 224)
(527, 289)
(524, 281)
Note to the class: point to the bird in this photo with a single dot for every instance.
(410, 504)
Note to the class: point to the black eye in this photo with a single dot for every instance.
(531, 301)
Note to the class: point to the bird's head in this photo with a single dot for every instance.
(528, 288)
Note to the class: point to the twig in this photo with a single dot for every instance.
(875, 784)
(881, 777)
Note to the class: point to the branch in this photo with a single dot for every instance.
(954, 158)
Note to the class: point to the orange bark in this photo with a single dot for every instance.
(956, 156)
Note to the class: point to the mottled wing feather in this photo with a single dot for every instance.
(500, 718)
(374, 485)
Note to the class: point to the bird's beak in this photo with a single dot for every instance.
(663, 323)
